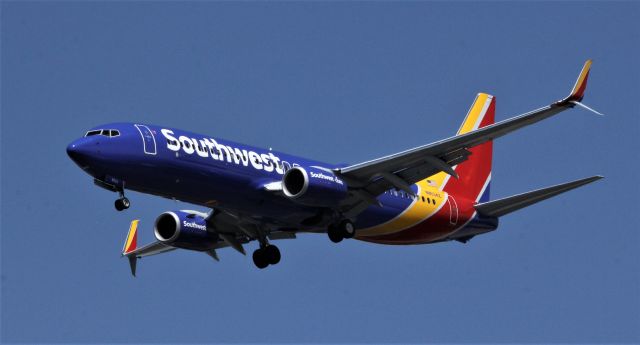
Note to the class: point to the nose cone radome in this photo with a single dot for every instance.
(79, 151)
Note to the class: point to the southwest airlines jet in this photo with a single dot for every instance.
(432, 193)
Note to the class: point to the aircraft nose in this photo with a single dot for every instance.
(78, 151)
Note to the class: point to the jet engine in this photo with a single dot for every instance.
(313, 186)
(184, 229)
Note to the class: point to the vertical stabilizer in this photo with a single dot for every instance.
(474, 174)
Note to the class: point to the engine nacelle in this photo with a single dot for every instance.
(314, 187)
(185, 230)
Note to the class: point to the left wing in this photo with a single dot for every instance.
(405, 168)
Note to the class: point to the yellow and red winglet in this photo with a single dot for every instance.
(577, 93)
(132, 238)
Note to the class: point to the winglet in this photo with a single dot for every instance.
(130, 245)
(132, 238)
(577, 93)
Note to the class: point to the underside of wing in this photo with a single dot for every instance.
(151, 249)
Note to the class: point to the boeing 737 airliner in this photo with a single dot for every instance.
(432, 193)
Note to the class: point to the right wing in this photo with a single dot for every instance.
(370, 179)
(130, 244)
(131, 251)
(233, 231)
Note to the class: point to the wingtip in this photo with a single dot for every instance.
(132, 264)
(577, 93)
(582, 105)
(592, 179)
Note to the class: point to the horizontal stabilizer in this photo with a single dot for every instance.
(501, 207)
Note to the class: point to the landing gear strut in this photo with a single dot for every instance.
(265, 256)
(122, 203)
(340, 231)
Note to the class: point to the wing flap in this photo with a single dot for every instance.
(501, 207)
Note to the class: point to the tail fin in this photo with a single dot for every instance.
(130, 245)
(474, 174)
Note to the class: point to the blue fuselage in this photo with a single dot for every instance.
(210, 172)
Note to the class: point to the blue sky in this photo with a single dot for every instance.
(338, 82)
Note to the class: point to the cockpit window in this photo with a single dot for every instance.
(103, 132)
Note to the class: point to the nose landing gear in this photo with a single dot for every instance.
(122, 203)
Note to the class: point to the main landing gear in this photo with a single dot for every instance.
(122, 203)
(340, 231)
(265, 256)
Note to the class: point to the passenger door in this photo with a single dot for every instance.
(148, 140)
(453, 210)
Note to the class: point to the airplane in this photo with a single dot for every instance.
(432, 193)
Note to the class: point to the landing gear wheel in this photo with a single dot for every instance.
(122, 204)
(260, 259)
(272, 253)
(335, 235)
(347, 229)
